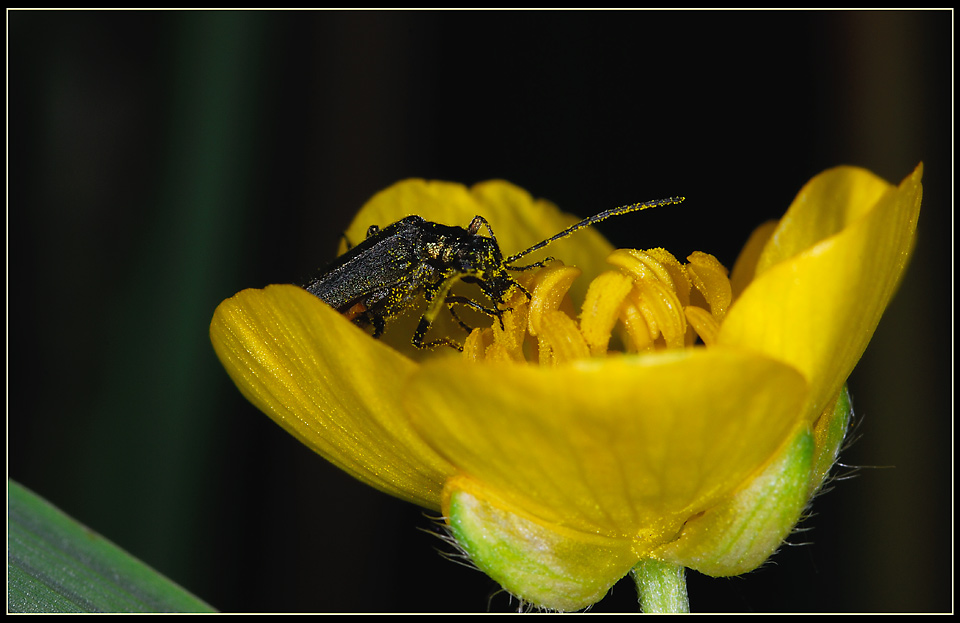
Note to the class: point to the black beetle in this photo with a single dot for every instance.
(377, 279)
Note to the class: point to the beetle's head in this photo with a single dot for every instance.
(456, 251)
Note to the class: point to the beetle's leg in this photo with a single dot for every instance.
(493, 312)
(454, 315)
(379, 324)
(436, 296)
(523, 289)
(421, 333)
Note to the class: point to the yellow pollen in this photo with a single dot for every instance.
(649, 301)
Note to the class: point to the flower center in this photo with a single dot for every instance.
(649, 301)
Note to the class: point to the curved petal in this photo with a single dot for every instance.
(819, 295)
(627, 447)
(744, 269)
(825, 206)
(329, 385)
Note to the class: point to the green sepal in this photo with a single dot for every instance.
(829, 431)
(740, 534)
(548, 567)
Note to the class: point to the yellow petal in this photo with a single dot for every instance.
(825, 206)
(826, 276)
(329, 385)
(745, 268)
(627, 447)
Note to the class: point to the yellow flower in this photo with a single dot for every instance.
(559, 479)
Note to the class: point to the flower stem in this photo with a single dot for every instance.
(661, 586)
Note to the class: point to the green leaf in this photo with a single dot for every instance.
(55, 564)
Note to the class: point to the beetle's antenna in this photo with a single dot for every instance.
(634, 207)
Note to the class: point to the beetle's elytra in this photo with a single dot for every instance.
(377, 279)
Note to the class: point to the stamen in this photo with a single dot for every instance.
(660, 305)
(638, 329)
(514, 331)
(601, 308)
(561, 340)
(558, 338)
(552, 283)
(476, 344)
(654, 300)
(704, 323)
(710, 277)
(658, 263)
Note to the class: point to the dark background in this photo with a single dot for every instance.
(159, 162)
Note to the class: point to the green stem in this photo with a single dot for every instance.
(661, 586)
